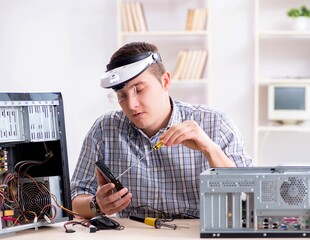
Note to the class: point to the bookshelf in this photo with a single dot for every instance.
(174, 27)
(281, 56)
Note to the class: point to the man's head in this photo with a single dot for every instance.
(144, 97)
(129, 62)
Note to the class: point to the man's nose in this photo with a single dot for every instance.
(132, 101)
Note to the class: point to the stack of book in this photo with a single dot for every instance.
(133, 18)
(190, 65)
(196, 19)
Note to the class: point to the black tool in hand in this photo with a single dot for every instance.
(108, 175)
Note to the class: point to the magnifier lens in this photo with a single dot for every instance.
(112, 96)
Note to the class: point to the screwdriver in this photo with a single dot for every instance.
(154, 222)
(155, 147)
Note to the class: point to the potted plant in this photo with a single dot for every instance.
(301, 16)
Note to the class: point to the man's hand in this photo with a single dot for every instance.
(191, 135)
(111, 202)
(188, 133)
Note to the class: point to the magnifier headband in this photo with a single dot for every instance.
(121, 71)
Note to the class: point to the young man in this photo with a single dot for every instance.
(166, 181)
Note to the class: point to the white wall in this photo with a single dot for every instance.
(64, 45)
(233, 62)
(59, 45)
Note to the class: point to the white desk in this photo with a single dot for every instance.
(132, 231)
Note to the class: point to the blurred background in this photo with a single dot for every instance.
(64, 45)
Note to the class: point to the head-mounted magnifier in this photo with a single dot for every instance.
(121, 71)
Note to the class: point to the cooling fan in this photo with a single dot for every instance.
(293, 191)
(36, 198)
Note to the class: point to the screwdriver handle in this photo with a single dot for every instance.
(158, 145)
(154, 222)
(148, 221)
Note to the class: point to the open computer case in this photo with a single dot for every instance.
(258, 202)
(34, 175)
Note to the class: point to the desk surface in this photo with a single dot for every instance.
(133, 230)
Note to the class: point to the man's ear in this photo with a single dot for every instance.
(166, 80)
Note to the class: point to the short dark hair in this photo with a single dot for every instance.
(135, 48)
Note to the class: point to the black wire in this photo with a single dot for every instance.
(164, 215)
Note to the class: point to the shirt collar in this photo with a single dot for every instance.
(175, 115)
(174, 119)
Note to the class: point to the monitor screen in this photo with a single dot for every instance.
(290, 98)
(289, 102)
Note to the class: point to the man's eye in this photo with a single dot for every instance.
(139, 89)
(121, 94)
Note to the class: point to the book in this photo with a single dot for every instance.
(192, 69)
(129, 17)
(186, 65)
(179, 65)
(189, 19)
(202, 65)
(196, 19)
(124, 18)
(141, 16)
(135, 18)
(195, 69)
(204, 19)
(190, 65)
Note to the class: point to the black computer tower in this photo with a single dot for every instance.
(34, 174)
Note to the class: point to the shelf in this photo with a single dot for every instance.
(284, 128)
(281, 56)
(196, 81)
(185, 50)
(164, 33)
(266, 81)
(284, 34)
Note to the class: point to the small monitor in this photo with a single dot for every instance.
(289, 103)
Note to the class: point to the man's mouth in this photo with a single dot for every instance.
(137, 114)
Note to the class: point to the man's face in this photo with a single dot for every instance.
(145, 101)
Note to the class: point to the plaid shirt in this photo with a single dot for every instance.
(167, 180)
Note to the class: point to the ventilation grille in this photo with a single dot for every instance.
(10, 126)
(293, 191)
(42, 123)
(35, 121)
(231, 183)
(269, 191)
